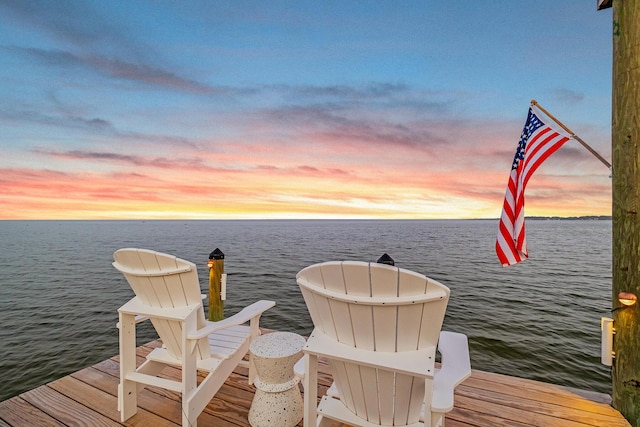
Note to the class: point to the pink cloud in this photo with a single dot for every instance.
(418, 168)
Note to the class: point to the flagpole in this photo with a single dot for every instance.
(573, 135)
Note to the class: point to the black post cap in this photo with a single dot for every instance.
(386, 259)
(216, 254)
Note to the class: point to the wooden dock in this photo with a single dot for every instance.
(88, 398)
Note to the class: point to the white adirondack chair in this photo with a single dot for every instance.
(168, 293)
(378, 326)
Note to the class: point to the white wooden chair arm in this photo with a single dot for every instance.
(138, 319)
(136, 307)
(416, 363)
(245, 315)
(456, 367)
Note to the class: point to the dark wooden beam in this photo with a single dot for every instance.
(625, 147)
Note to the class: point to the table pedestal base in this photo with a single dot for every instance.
(276, 409)
(277, 402)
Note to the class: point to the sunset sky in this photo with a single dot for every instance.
(297, 109)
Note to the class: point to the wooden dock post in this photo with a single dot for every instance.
(216, 269)
(625, 140)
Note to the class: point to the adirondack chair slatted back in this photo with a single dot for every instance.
(164, 281)
(375, 307)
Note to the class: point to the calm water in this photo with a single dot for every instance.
(539, 319)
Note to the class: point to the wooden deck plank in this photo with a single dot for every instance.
(549, 394)
(526, 387)
(105, 403)
(89, 397)
(539, 398)
(471, 417)
(18, 412)
(515, 410)
(65, 410)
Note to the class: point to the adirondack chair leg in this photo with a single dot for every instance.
(189, 376)
(310, 385)
(254, 325)
(189, 412)
(428, 394)
(437, 419)
(127, 390)
(252, 369)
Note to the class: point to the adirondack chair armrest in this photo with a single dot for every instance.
(137, 319)
(140, 319)
(455, 368)
(417, 363)
(136, 307)
(246, 314)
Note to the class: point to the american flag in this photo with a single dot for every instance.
(537, 142)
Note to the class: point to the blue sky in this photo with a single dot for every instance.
(301, 109)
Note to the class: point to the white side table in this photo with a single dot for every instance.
(277, 401)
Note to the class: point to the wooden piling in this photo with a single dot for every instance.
(626, 205)
(216, 269)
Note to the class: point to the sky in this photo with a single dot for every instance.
(297, 109)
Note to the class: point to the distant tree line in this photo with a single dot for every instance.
(586, 217)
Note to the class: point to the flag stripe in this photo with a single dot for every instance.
(541, 152)
(537, 142)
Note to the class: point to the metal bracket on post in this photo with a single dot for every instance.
(607, 354)
(223, 287)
